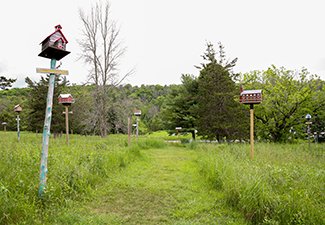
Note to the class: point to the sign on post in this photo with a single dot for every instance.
(53, 71)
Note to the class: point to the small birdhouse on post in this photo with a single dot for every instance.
(178, 129)
(54, 46)
(66, 99)
(137, 113)
(18, 109)
(251, 97)
(4, 124)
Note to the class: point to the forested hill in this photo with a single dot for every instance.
(150, 99)
(206, 105)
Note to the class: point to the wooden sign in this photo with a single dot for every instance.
(53, 71)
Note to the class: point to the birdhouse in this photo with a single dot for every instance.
(66, 99)
(137, 112)
(54, 46)
(250, 96)
(18, 108)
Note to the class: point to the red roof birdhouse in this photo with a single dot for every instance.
(250, 96)
(54, 46)
(66, 99)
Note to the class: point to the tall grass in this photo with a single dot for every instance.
(74, 172)
(284, 184)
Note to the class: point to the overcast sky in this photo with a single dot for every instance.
(165, 39)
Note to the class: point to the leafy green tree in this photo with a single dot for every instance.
(219, 112)
(287, 97)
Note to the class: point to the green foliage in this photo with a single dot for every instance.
(287, 97)
(75, 171)
(283, 185)
(37, 104)
(219, 114)
(181, 105)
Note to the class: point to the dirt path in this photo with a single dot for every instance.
(163, 188)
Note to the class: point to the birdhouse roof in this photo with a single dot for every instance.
(57, 29)
(247, 92)
(65, 95)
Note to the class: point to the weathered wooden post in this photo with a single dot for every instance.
(18, 109)
(66, 100)
(129, 130)
(54, 48)
(251, 97)
(137, 113)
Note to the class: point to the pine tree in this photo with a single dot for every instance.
(6, 82)
(37, 104)
(219, 112)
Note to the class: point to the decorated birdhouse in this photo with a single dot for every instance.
(137, 112)
(250, 96)
(66, 99)
(18, 108)
(54, 46)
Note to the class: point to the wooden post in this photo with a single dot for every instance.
(67, 124)
(46, 132)
(18, 129)
(129, 131)
(137, 129)
(252, 130)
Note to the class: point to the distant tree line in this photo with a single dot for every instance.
(205, 105)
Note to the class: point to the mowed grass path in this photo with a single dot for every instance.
(164, 187)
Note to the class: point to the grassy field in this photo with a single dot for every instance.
(284, 184)
(102, 181)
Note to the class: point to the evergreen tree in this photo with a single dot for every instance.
(37, 104)
(6, 82)
(219, 112)
(181, 106)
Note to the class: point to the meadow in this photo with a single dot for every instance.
(74, 172)
(103, 181)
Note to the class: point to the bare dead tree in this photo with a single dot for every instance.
(102, 50)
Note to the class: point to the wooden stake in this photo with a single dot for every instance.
(137, 129)
(18, 128)
(252, 130)
(129, 131)
(67, 124)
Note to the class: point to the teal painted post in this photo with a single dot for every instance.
(46, 132)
